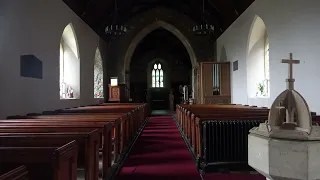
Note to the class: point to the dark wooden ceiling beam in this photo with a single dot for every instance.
(77, 6)
(98, 13)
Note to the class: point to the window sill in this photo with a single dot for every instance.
(69, 98)
(260, 97)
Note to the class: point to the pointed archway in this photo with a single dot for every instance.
(149, 29)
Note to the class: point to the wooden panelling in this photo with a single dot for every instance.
(120, 93)
(209, 75)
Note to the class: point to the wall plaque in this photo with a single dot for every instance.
(235, 65)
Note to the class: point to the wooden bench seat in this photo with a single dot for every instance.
(56, 163)
(116, 121)
(218, 133)
(45, 127)
(120, 134)
(88, 146)
(140, 112)
(136, 115)
(19, 173)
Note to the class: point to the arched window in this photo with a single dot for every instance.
(98, 75)
(69, 71)
(258, 74)
(157, 76)
(266, 65)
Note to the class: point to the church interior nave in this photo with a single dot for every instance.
(159, 89)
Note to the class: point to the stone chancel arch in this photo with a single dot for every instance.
(69, 71)
(258, 81)
(148, 29)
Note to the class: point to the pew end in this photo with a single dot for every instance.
(19, 173)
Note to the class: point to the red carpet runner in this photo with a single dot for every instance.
(161, 154)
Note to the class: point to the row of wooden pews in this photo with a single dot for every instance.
(217, 134)
(62, 144)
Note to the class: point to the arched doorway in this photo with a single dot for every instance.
(158, 24)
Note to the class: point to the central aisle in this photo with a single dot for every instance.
(159, 153)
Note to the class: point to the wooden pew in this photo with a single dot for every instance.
(118, 131)
(217, 134)
(19, 173)
(46, 127)
(137, 109)
(209, 129)
(56, 163)
(88, 143)
(136, 116)
(139, 112)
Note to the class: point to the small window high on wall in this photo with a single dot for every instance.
(157, 76)
(69, 69)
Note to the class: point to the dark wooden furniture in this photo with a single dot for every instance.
(212, 83)
(19, 173)
(88, 143)
(120, 93)
(55, 163)
(115, 124)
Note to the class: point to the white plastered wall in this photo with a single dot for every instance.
(292, 26)
(35, 27)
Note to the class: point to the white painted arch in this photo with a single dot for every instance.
(69, 37)
(69, 62)
(255, 55)
(147, 30)
(257, 31)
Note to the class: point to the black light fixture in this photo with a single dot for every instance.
(203, 28)
(115, 29)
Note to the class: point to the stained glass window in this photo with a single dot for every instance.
(153, 78)
(98, 75)
(161, 77)
(157, 76)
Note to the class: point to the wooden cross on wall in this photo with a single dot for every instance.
(290, 79)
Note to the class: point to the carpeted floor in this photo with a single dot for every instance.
(160, 153)
(233, 177)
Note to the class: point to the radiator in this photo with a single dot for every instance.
(226, 141)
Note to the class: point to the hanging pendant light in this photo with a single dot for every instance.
(203, 28)
(115, 29)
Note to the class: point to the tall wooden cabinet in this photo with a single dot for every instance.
(212, 83)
